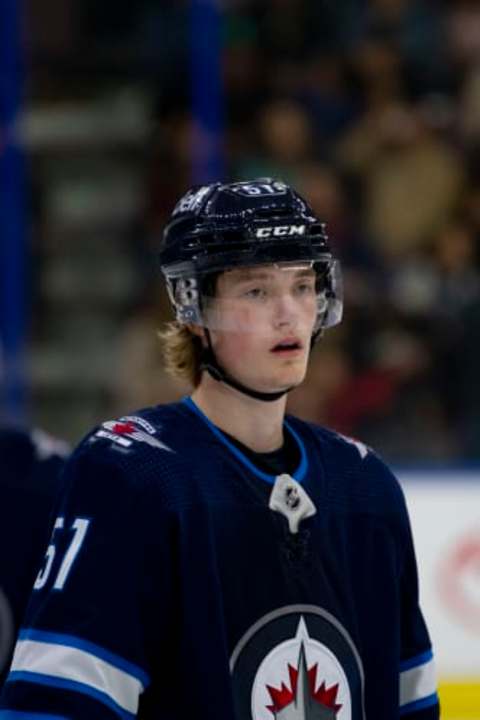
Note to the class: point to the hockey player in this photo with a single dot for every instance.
(214, 559)
(30, 467)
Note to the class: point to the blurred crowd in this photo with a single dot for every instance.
(372, 110)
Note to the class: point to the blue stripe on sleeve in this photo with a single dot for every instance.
(416, 661)
(426, 702)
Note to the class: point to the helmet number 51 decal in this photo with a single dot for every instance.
(259, 188)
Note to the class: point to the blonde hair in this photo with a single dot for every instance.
(182, 352)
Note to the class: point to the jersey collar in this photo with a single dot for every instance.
(300, 471)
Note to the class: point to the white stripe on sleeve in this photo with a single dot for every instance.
(73, 664)
(417, 682)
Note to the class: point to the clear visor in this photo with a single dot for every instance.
(290, 294)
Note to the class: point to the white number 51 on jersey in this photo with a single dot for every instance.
(79, 527)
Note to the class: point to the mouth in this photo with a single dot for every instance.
(287, 346)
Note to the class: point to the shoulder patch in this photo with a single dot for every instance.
(130, 429)
(361, 447)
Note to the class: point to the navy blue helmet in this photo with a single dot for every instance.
(222, 226)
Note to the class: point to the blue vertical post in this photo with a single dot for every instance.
(12, 216)
(207, 91)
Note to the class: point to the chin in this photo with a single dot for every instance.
(290, 379)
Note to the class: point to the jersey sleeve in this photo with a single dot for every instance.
(91, 629)
(418, 698)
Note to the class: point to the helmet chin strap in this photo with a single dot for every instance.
(210, 364)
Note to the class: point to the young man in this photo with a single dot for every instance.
(212, 559)
(30, 469)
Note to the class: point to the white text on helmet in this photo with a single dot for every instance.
(191, 201)
(280, 231)
(266, 188)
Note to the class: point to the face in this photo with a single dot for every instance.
(261, 322)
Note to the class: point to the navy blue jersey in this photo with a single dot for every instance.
(30, 465)
(176, 585)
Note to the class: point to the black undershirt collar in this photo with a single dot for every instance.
(283, 460)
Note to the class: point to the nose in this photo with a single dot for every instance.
(286, 312)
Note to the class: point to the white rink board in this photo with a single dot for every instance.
(445, 515)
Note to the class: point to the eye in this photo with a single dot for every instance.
(256, 293)
(305, 287)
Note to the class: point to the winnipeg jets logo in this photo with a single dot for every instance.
(310, 682)
(297, 663)
(303, 700)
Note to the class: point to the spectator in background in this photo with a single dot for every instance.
(390, 389)
(379, 73)
(284, 141)
(471, 206)
(417, 31)
(441, 280)
(469, 111)
(456, 258)
(413, 178)
(463, 29)
(328, 97)
(330, 197)
(244, 70)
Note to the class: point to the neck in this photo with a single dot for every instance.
(256, 424)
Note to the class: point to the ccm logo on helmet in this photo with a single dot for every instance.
(280, 231)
